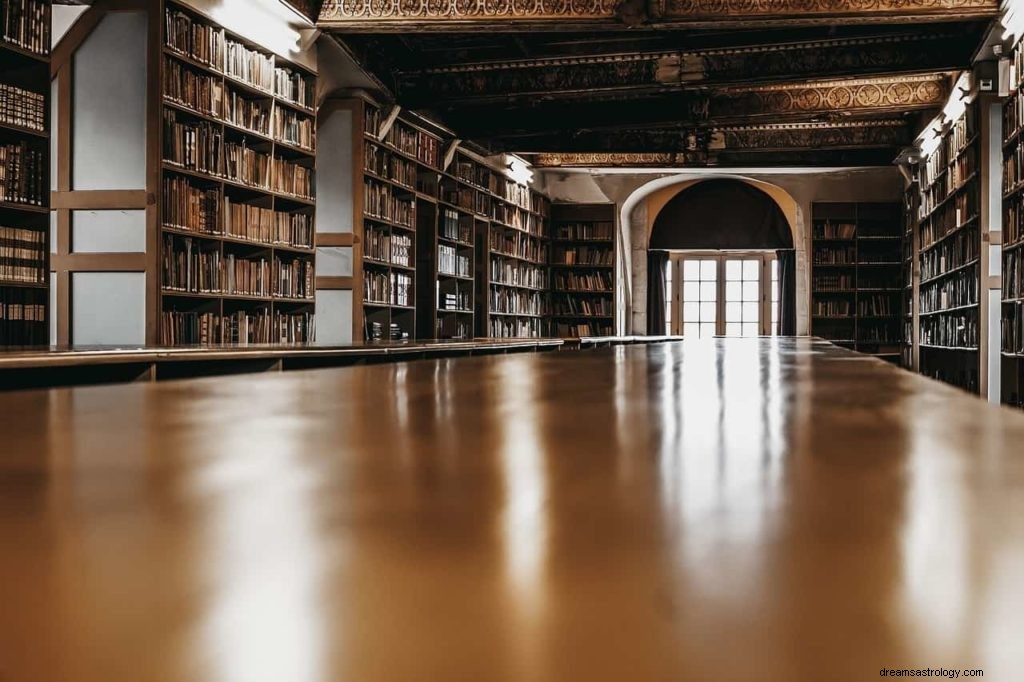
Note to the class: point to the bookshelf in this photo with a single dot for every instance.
(512, 248)
(911, 196)
(949, 255)
(856, 284)
(24, 172)
(583, 269)
(447, 270)
(1013, 236)
(237, 208)
(397, 218)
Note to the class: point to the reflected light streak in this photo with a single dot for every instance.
(263, 558)
(524, 518)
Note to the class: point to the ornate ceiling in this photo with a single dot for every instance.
(677, 82)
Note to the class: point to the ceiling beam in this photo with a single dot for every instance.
(892, 133)
(373, 16)
(659, 71)
(813, 101)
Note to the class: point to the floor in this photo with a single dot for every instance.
(741, 509)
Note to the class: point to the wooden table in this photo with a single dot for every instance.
(731, 510)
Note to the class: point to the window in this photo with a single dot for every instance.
(723, 293)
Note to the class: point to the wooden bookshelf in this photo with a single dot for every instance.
(583, 269)
(856, 283)
(511, 248)
(236, 247)
(911, 197)
(396, 216)
(24, 172)
(1013, 237)
(949, 256)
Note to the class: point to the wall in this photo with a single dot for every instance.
(640, 195)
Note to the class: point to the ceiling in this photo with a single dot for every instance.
(677, 82)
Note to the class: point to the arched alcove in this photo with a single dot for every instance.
(721, 214)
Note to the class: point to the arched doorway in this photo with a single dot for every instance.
(724, 250)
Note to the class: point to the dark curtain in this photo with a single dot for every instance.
(787, 292)
(656, 295)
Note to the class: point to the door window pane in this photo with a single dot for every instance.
(691, 270)
(700, 297)
(743, 296)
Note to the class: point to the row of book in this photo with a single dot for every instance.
(451, 262)
(189, 267)
(380, 202)
(579, 329)
(951, 217)
(466, 198)
(459, 300)
(209, 45)
(23, 255)
(958, 290)
(517, 273)
(520, 219)
(877, 305)
(454, 327)
(962, 248)
(293, 178)
(1017, 67)
(375, 331)
(515, 328)
(1013, 168)
(835, 255)
(23, 317)
(1013, 328)
(23, 108)
(416, 143)
(26, 24)
(516, 302)
(455, 226)
(22, 177)
(959, 330)
(242, 327)
(827, 283)
(517, 245)
(267, 226)
(382, 246)
(828, 229)
(294, 128)
(1013, 220)
(881, 333)
(206, 95)
(1013, 114)
(388, 288)
(597, 256)
(388, 165)
(187, 206)
(1013, 275)
(588, 231)
(962, 133)
(582, 306)
(832, 308)
(584, 281)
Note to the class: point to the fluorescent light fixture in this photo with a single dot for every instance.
(268, 22)
(519, 170)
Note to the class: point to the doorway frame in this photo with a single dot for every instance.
(674, 316)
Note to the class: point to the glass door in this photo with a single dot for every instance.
(724, 293)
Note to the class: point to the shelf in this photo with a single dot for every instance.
(530, 315)
(951, 195)
(22, 130)
(956, 230)
(946, 311)
(22, 285)
(957, 269)
(27, 208)
(21, 51)
(524, 287)
(492, 252)
(964, 349)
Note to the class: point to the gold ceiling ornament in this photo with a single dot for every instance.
(571, 160)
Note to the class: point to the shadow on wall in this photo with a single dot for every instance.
(721, 214)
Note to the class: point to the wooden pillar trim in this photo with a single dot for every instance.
(334, 283)
(336, 239)
(112, 199)
(99, 262)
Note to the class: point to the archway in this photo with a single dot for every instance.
(741, 237)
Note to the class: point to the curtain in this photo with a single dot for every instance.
(787, 292)
(656, 294)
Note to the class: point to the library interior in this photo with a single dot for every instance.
(501, 340)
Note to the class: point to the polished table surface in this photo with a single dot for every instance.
(707, 510)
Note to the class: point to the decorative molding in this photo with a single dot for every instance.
(593, 76)
(602, 160)
(395, 15)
